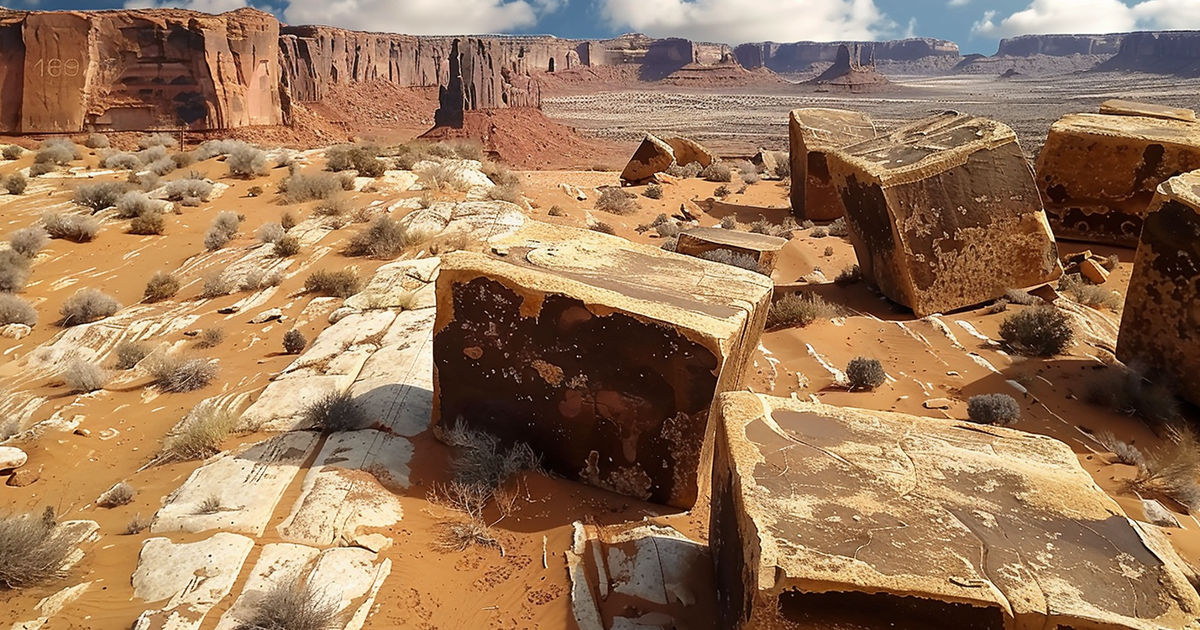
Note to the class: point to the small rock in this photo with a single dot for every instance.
(339, 314)
(268, 315)
(22, 478)
(15, 331)
(228, 310)
(374, 543)
(1093, 271)
(83, 432)
(938, 403)
(1158, 514)
(12, 457)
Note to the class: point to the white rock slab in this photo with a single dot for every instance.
(349, 574)
(52, 605)
(339, 496)
(12, 457)
(395, 386)
(249, 484)
(394, 284)
(282, 403)
(192, 576)
(341, 349)
(278, 564)
(483, 220)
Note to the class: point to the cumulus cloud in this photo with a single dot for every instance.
(421, 17)
(1092, 16)
(737, 21)
(959, 3)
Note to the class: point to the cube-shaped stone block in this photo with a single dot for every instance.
(831, 517)
(812, 132)
(1160, 324)
(761, 247)
(652, 156)
(944, 214)
(602, 355)
(1097, 173)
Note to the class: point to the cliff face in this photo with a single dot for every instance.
(1060, 45)
(798, 56)
(1172, 52)
(67, 71)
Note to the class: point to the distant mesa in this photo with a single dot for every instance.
(850, 74)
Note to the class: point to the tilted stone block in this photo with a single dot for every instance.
(830, 517)
(603, 355)
(1118, 107)
(652, 157)
(1097, 173)
(944, 214)
(1160, 324)
(687, 151)
(761, 247)
(812, 132)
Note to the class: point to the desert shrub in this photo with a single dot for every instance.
(87, 305)
(162, 166)
(223, 228)
(150, 155)
(260, 279)
(722, 191)
(120, 494)
(361, 158)
(147, 224)
(670, 244)
(1017, 296)
(1125, 453)
(270, 232)
(999, 409)
(247, 161)
(161, 286)
(41, 168)
(1112, 262)
(216, 284)
(213, 148)
(32, 549)
(72, 227)
(15, 310)
(653, 191)
(57, 151)
(100, 195)
(1041, 331)
(293, 604)
(500, 174)
(287, 220)
(28, 241)
(338, 283)
(303, 187)
(799, 309)
(783, 169)
(156, 140)
(717, 172)
(781, 230)
(385, 238)
(136, 525)
(616, 201)
(96, 141)
(848, 276)
(507, 192)
(829, 252)
(732, 258)
(136, 203)
(121, 161)
(210, 337)
(130, 353)
(12, 152)
(1173, 472)
(865, 374)
(199, 436)
(1087, 294)
(1126, 390)
(838, 228)
(728, 222)
(603, 228)
(346, 180)
(14, 271)
(688, 171)
(189, 188)
(334, 412)
(294, 342)
(668, 229)
(748, 172)
(15, 184)
(146, 181)
(84, 377)
(334, 206)
(287, 246)
(183, 160)
(480, 460)
(177, 374)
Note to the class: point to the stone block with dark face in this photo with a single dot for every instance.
(761, 247)
(1160, 324)
(812, 132)
(603, 355)
(652, 157)
(831, 517)
(1097, 173)
(944, 214)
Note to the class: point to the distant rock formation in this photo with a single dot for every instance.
(1173, 52)
(850, 73)
(1059, 45)
(799, 56)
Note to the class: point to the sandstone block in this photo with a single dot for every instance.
(768, 161)
(1092, 270)
(760, 247)
(1118, 107)
(944, 214)
(829, 517)
(603, 355)
(1160, 325)
(1097, 173)
(652, 156)
(812, 133)
(687, 151)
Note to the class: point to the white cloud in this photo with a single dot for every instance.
(959, 3)
(737, 21)
(1092, 16)
(421, 17)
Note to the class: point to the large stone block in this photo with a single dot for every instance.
(812, 132)
(762, 248)
(944, 214)
(1097, 173)
(1118, 107)
(829, 517)
(652, 157)
(687, 151)
(1160, 325)
(603, 355)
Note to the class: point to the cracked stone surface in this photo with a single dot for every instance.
(193, 577)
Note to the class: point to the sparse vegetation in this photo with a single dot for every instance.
(722, 191)
(287, 246)
(653, 191)
(161, 286)
(340, 283)
(189, 188)
(1125, 453)
(616, 201)
(210, 337)
(14, 271)
(32, 549)
(732, 258)
(361, 158)
(998, 409)
(136, 203)
(1173, 472)
(270, 233)
(247, 161)
(728, 222)
(507, 192)
(261, 279)
(1017, 296)
(162, 166)
(216, 285)
(334, 206)
(200, 434)
(1126, 390)
(688, 171)
(12, 152)
(130, 353)
(71, 227)
(136, 525)
(287, 220)
(157, 140)
(293, 604)
(87, 305)
(838, 228)
(15, 184)
(799, 309)
(1095, 296)
(779, 230)
(121, 161)
(96, 141)
(717, 172)
(1041, 331)
(147, 224)
(335, 412)
(748, 172)
(177, 374)
(120, 494)
(223, 228)
(303, 187)
(28, 241)
(41, 168)
(865, 373)
(15, 310)
(84, 377)
(57, 152)
(385, 238)
(604, 228)
(849, 275)
(294, 342)
(99, 195)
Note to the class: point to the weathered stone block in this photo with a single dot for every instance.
(603, 355)
(1097, 173)
(1160, 325)
(687, 151)
(1118, 107)
(760, 247)
(829, 517)
(812, 132)
(944, 214)
(652, 156)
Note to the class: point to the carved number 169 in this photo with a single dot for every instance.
(57, 67)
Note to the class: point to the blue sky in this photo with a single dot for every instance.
(976, 25)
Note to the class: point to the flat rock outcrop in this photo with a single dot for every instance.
(1169, 52)
(800, 56)
(1097, 173)
(1120, 107)
(652, 157)
(602, 355)
(830, 517)
(1160, 325)
(944, 214)
(761, 247)
(812, 133)
(1059, 45)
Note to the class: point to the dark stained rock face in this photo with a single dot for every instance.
(943, 213)
(1160, 324)
(1097, 173)
(761, 247)
(813, 132)
(603, 356)
(832, 517)
(652, 157)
